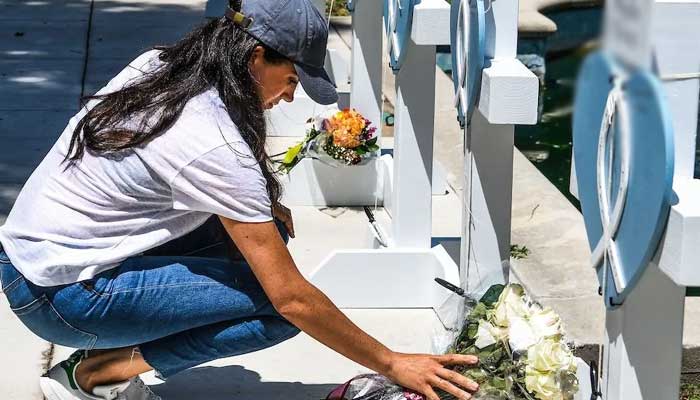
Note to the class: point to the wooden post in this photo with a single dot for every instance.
(489, 152)
(413, 148)
(366, 60)
(645, 335)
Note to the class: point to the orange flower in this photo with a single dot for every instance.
(346, 127)
(343, 138)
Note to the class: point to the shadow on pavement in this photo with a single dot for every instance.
(42, 66)
(235, 383)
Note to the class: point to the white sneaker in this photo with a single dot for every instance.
(60, 384)
(138, 390)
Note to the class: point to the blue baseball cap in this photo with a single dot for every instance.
(298, 31)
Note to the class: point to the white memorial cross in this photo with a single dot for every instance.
(644, 334)
(508, 96)
(401, 275)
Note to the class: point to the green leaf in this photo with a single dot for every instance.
(492, 294)
(499, 382)
(372, 142)
(479, 312)
(360, 150)
(472, 329)
(372, 147)
(292, 153)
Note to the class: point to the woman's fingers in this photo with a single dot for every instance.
(429, 393)
(289, 224)
(457, 359)
(284, 214)
(458, 379)
(448, 387)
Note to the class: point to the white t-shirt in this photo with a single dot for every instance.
(69, 225)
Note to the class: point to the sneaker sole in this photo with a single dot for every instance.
(53, 390)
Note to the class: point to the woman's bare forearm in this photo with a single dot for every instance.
(310, 310)
(314, 313)
(298, 300)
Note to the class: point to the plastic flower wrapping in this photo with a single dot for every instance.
(521, 350)
(336, 137)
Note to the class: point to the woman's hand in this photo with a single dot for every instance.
(285, 215)
(426, 373)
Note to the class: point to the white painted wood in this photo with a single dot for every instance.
(488, 161)
(678, 250)
(509, 93)
(583, 374)
(502, 29)
(388, 164)
(487, 204)
(626, 32)
(644, 339)
(645, 334)
(338, 70)
(366, 60)
(386, 278)
(677, 50)
(431, 23)
(313, 183)
(413, 147)
(573, 182)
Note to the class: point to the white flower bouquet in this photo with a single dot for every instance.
(520, 347)
(522, 355)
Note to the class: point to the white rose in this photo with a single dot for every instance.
(550, 356)
(520, 334)
(543, 385)
(545, 322)
(487, 334)
(511, 303)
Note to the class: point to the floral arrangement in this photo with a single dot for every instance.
(336, 137)
(520, 347)
(522, 355)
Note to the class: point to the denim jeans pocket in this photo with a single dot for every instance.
(41, 317)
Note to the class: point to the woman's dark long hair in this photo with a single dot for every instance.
(215, 54)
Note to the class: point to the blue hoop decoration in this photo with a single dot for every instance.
(624, 170)
(398, 20)
(467, 38)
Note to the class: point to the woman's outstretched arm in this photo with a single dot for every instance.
(311, 311)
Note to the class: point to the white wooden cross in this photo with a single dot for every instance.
(508, 96)
(644, 335)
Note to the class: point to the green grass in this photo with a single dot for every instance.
(690, 391)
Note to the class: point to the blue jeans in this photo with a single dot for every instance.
(184, 303)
